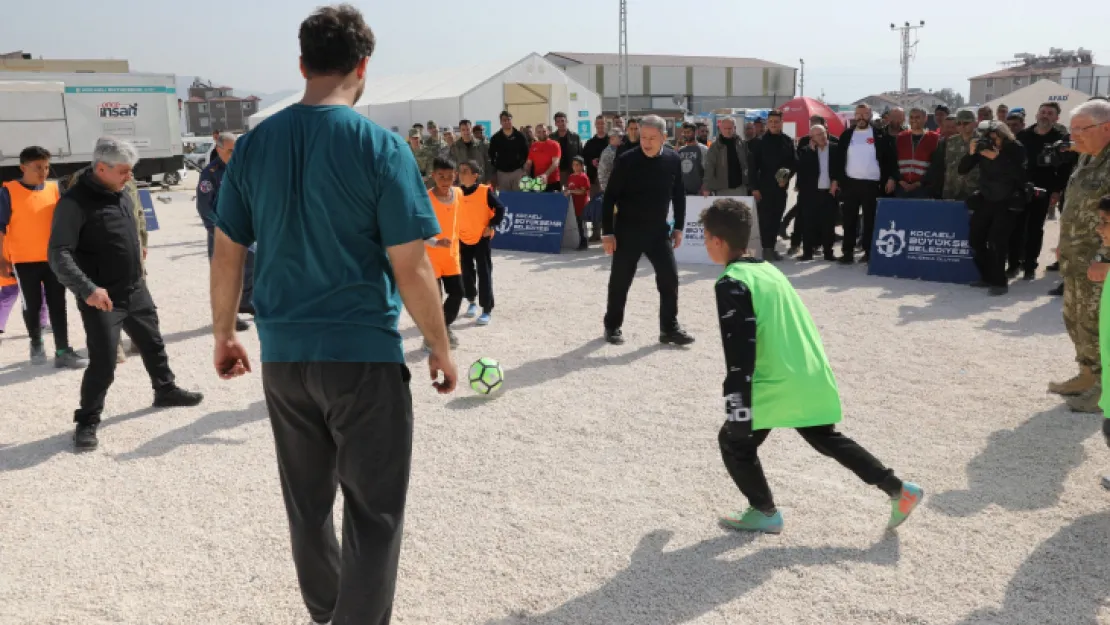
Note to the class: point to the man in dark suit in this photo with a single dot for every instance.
(817, 203)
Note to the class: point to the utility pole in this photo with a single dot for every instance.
(802, 79)
(622, 96)
(908, 50)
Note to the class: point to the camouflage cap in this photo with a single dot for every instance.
(414, 132)
(965, 116)
(431, 124)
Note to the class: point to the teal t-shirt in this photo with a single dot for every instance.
(324, 191)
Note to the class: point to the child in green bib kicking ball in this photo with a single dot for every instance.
(778, 376)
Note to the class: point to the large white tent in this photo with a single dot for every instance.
(533, 89)
(1031, 97)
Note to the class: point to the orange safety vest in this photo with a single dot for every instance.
(32, 214)
(474, 215)
(7, 280)
(446, 261)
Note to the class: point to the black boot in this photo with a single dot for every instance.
(677, 336)
(84, 439)
(614, 336)
(175, 397)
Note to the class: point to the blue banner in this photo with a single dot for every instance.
(533, 222)
(148, 210)
(488, 125)
(922, 240)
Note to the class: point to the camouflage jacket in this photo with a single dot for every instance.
(429, 150)
(943, 175)
(132, 189)
(1079, 241)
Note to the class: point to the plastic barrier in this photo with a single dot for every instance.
(922, 240)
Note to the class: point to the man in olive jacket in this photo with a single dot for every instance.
(720, 178)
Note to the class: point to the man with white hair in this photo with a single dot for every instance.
(1083, 259)
(95, 234)
(645, 182)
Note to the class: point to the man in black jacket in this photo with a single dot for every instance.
(631, 138)
(1047, 171)
(592, 153)
(508, 151)
(866, 165)
(570, 146)
(773, 152)
(94, 250)
(817, 204)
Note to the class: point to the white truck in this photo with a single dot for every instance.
(67, 113)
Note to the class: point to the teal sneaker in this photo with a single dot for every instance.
(471, 311)
(752, 520)
(904, 504)
(484, 319)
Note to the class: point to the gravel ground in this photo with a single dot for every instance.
(587, 493)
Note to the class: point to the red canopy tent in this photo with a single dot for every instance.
(799, 110)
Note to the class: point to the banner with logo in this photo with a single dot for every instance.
(692, 250)
(148, 210)
(533, 222)
(922, 240)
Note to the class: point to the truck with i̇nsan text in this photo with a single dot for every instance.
(67, 113)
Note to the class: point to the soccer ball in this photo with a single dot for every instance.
(486, 376)
(538, 185)
(526, 183)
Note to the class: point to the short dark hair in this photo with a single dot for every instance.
(774, 113)
(701, 125)
(1052, 105)
(634, 120)
(32, 154)
(418, 125)
(473, 166)
(1104, 204)
(441, 163)
(730, 220)
(941, 107)
(464, 122)
(578, 159)
(688, 126)
(817, 119)
(334, 40)
(560, 114)
(505, 114)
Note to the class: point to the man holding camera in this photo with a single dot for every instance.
(1083, 264)
(1048, 171)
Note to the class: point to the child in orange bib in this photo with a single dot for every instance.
(443, 251)
(479, 213)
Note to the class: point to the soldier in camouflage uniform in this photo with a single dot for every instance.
(943, 178)
(432, 148)
(1083, 260)
(140, 219)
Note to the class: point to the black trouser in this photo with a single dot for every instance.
(454, 287)
(477, 273)
(794, 215)
(657, 246)
(348, 425)
(989, 235)
(1106, 431)
(770, 210)
(581, 219)
(33, 280)
(553, 187)
(136, 313)
(740, 447)
(817, 221)
(596, 192)
(245, 298)
(856, 194)
(1028, 234)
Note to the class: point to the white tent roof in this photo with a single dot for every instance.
(436, 84)
(1031, 97)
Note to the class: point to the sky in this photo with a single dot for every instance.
(850, 53)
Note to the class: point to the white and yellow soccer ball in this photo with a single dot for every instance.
(486, 376)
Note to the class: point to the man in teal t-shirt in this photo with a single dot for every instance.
(340, 215)
(778, 376)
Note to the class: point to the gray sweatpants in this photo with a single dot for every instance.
(347, 425)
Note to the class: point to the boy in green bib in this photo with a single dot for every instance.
(1104, 320)
(778, 376)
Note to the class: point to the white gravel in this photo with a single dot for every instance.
(587, 493)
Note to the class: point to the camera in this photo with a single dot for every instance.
(1034, 192)
(1052, 155)
(983, 140)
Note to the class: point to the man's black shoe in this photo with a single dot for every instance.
(1030, 274)
(84, 439)
(1053, 267)
(979, 284)
(1058, 291)
(676, 337)
(1013, 272)
(583, 245)
(614, 336)
(806, 256)
(847, 259)
(177, 397)
(831, 257)
(999, 290)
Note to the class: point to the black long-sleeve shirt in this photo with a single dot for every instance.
(591, 152)
(1051, 179)
(493, 202)
(768, 155)
(644, 187)
(1000, 179)
(508, 153)
(736, 315)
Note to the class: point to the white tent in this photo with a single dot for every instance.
(533, 89)
(1030, 98)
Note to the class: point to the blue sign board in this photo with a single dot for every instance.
(584, 128)
(922, 240)
(583, 114)
(148, 210)
(488, 125)
(533, 222)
